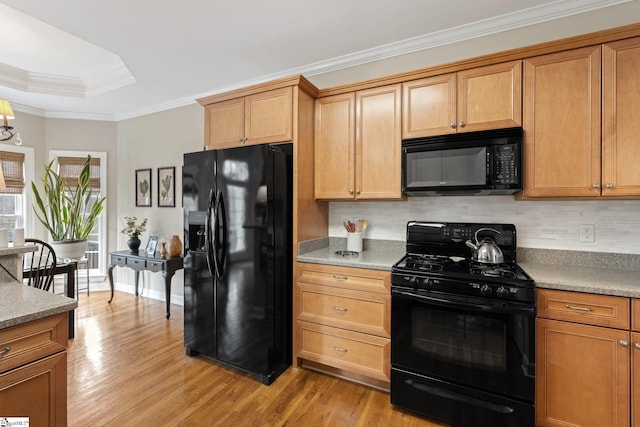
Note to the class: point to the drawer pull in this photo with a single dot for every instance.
(335, 276)
(5, 350)
(340, 309)
(572, 307)
(340, 349)
(624, 343)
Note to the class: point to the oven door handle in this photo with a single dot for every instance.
(459, 397)
(499, 306)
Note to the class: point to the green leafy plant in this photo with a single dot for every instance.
(132, 229)
(68, 212)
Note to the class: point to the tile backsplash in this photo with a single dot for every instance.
(539, 224)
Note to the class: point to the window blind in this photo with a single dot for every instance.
(13, 171)
(69, 169)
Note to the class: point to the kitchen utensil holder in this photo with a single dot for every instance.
(354, 242)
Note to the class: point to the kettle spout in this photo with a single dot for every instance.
(472, 245)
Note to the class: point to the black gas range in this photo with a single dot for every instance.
(463, 331)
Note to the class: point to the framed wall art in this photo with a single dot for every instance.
(152, 244)
(143, 187)
(166, 187)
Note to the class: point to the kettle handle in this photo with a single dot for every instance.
(484, 229)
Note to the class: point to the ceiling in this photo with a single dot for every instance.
(117, 59)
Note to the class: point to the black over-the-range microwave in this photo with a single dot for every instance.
(474, 163)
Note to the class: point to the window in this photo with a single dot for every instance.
(13, 200)
(69, 164)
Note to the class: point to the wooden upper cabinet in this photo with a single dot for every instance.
(621, 118)
(358, 145)
(476, 99)
(562, 124)
(335, 147)
(264, 117)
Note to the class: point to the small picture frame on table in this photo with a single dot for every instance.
(167, 187)
(143, 187)
(152, 244)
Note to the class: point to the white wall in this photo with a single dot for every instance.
(539, 224)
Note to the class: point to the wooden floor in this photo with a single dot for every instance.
(127, 367)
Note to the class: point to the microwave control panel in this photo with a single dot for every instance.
(505, 164)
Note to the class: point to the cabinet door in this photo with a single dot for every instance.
(378, 143)
(37, 391)
(224, 124)
(562, 124)
(621, 118)
(335, 147)
(429, 106)
(635, 379)
(582, 375)
(269, 116)
(490, 97)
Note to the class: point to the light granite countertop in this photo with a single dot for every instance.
(21, 304)
(377, 254)
(591, 272)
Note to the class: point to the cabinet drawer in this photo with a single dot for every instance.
(120, 260)
(135, 263)
(22, 344)
(635, 314)
(154, 265)
(344, 277)
(363, 354)
(343, 308)
(590, 309)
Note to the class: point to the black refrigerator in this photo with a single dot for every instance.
(238, 257)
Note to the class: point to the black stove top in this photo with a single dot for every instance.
(438, 260)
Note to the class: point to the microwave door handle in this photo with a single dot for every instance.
(501, 307)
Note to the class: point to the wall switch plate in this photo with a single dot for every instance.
(587, 233)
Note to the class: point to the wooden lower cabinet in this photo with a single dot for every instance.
(342, 321)
(586, 360)
(582, 375)
(33, 371)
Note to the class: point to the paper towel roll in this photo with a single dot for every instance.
(18, 237)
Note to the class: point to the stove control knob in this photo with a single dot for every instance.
(426, 284)
(502, 291)
(485, 290)
(413, 281)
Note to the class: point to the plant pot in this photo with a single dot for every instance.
(134, 245)
(70, 249)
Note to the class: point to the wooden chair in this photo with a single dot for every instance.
(37, 268)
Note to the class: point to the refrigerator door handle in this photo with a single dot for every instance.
(222, 250)
(208, 244)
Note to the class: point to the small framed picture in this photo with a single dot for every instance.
(167, 187)
(152, 244)
(143, 187)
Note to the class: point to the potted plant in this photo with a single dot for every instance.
(67, 210)
(133, 230)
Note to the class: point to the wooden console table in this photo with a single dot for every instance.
(141, 261)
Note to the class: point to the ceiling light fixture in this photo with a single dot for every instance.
(6, 131)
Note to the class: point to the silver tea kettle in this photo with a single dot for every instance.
(487, 251)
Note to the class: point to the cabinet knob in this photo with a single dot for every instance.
(351, 191)
(624, 343)
(609, 185)
(461, 124)
(596, 185)
(6, 349)
(357, 191)
(637, 345)
(452, 125)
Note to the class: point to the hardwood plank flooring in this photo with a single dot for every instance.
(127, 367)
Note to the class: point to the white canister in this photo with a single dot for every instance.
(18, 237)
(4, 238)
(354, 242)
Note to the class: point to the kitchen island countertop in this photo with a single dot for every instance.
(21, 304)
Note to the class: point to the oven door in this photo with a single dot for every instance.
(473, 350)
